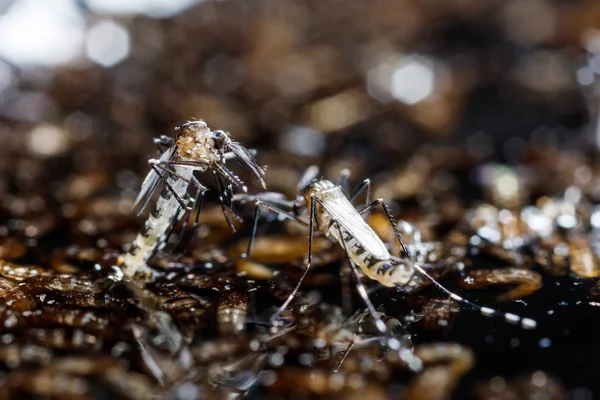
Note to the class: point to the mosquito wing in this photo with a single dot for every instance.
(344, 213)
(244, 157)
(151, 183)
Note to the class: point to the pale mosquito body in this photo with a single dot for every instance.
(195, 149)
(336, 217)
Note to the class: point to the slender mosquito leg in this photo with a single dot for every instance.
(526, 323)
(222, 201)
(193, 182)
(405, 355)
(190, 164)
(313, 214)
(284, 213)
(365, 185)
(388, 214)
(362, 291)
(168, 185)
(173, 226)
(198, 205)
(221, 168)
(255, 216)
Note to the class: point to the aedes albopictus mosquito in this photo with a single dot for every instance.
(336, 218)
(195, 148)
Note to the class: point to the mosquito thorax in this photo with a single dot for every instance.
(195, 142)
(319, 188)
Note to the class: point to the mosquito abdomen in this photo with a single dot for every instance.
(157, 226)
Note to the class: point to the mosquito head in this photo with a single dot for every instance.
(220, 139)
(196, 142)
(321, 189)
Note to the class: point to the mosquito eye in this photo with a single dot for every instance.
(219, 137)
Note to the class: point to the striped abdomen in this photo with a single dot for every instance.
(358, 252)
(382, 267)
(159, 223)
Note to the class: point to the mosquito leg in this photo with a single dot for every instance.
(163, 166)
(388, 214)
(221, 168)
(198, 206)
(365, 185)
(281, 212)
(255, 216)
(159, 246)
(313, 214)
(222, 201)
(360, 287)
(526, 323)
(168, 185)
(405, 355)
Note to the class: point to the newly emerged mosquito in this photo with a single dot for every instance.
(195, 148)
(336, 218)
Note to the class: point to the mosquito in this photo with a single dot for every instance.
(335, 217)
(195, 148)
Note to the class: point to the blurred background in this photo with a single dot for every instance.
(442, 103)
(427, 98)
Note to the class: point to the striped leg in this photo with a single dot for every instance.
(526, 323)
